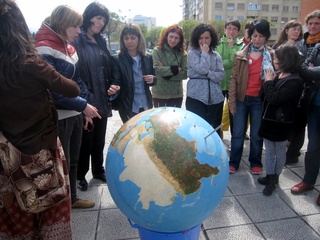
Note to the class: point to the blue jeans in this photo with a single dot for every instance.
(312, 159)
(251, 106)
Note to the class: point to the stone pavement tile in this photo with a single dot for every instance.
(106, 199)
(260, 208)
(243, 182)
(314, 222)
(113, 224)
(243, 232)
(286, 230)
(303, 204)
(288, 179)
(228, 213)
(84, 224)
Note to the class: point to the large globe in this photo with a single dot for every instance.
(166, 169)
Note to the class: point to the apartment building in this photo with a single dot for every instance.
(277, 12)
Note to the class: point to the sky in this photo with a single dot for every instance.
(166, 12)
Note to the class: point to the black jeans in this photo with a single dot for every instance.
(70, 134)
(298, 134)
(92, 146)
(211, 113)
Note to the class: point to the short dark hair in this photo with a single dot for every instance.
(289, 58)
(262, 26)
(233, 22)
(92, 10)
(200, 29)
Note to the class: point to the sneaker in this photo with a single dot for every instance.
(256, 170)
(232, 169)
(81, 203)
(83, 184)
(101, 176)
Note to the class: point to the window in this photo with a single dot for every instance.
(240, 18)
(230, 6)
(240, 6)
(295, 9)
(218, 5)
(284, 20)
(253, 7)
(229, 18)
(218, 18)
(275, 8)
(274, 31)
(265, 8)
(274, 19)
(285, 9)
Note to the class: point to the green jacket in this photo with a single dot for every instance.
(169, 83)
(227, 55)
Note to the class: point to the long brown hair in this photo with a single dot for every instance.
(283, 36)
(15, 43)
(133, 29)
(164, 36)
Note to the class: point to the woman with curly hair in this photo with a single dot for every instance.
(170, 63)
(205, 72)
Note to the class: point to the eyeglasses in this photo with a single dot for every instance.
(232, 29)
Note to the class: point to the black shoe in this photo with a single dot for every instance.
(263, 180)
(83, 184)
(101, 176)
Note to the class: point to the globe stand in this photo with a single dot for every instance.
(189, 234)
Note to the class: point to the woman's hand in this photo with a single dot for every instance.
(113, 89)
(204, 48)
(87, 123)
(91, 111)
(148, 79)
(269, 74)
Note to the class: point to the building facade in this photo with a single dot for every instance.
(277, 12)
(149, 22)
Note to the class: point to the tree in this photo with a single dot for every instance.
(143, 28)
(219, 26)
(112, 30)
(187, 26)
(153, 36)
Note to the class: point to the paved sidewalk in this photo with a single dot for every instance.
(244, 213)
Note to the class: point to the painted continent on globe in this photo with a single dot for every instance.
(173, 166)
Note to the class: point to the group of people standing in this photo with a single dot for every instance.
(63, 86)
(274, 89)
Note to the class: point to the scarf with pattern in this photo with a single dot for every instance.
(266, 58)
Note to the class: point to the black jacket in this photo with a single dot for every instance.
(280, 98)
(96, 66)
(123, 71)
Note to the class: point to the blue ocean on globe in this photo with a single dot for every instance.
(167, 171)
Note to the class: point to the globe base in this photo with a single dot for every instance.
(189, 234)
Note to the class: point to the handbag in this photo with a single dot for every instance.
(38, 181)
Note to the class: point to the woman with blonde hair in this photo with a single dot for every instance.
(52, 42)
